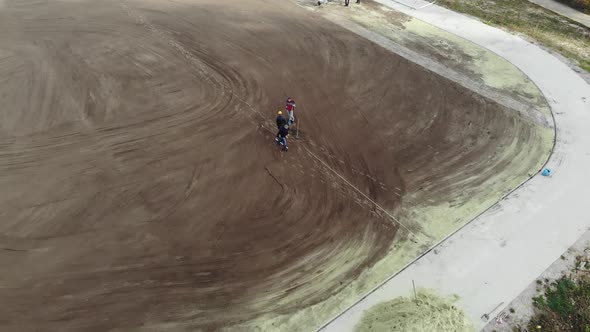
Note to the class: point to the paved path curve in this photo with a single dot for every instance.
(495, 257)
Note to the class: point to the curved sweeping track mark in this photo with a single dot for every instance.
(387, 213)
(196, 62)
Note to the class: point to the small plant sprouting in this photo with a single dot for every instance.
(539, 301)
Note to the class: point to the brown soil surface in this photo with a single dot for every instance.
(139, 180)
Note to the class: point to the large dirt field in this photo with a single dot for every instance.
(140, 186)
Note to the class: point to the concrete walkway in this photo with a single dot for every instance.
(564, 10)
(490, 261)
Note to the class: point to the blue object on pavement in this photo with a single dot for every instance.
(546, 172)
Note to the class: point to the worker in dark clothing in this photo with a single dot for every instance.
(281, 121)
(283, 133)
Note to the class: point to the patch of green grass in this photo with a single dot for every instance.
(559, 297)
(550, 29)
(565, 306)
(539, 301)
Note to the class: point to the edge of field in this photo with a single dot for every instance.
(494, 73)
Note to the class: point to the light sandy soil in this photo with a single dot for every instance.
(139, 181)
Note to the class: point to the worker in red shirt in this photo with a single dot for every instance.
(290, 107)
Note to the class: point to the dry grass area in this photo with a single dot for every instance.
(569, 38)
(581, 5)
